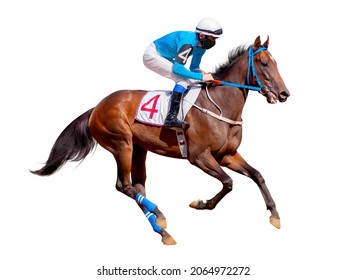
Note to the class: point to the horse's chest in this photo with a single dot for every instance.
(227, 142)
(234, 139)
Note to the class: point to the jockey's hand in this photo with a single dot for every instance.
(207, 77)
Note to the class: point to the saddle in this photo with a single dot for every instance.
(153, 109)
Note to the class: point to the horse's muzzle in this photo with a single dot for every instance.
(272, 98)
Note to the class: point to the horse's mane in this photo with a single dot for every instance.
(233, 56)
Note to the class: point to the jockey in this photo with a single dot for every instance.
(168, 55)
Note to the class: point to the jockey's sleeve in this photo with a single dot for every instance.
(180, 61)
(195, 62)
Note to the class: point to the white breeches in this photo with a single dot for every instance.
(162, 66)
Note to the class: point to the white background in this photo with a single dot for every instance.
(60, 58)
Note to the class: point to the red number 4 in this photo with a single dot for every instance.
(150, 106)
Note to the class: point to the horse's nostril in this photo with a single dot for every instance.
(284, 94)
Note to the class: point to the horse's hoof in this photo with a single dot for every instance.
(196, 204)
(275, 222)
(161, 222)
(168, 241)
(193, 204)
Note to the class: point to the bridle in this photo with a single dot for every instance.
(251, 68)
(250, 71)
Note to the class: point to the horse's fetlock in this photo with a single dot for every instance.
(209, 204)
(271, 205)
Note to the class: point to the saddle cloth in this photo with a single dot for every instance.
(153, 107)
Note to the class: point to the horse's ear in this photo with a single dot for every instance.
(266, 43)
(257, 43)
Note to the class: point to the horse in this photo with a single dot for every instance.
(212, 139)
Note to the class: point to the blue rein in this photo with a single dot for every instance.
(250, 69)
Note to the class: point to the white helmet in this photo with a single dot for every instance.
(209, 27)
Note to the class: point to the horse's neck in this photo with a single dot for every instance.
(231, 99)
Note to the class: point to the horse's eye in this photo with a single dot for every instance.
(264, 63)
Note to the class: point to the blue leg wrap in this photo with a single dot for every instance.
(145, 202)
(152, 219)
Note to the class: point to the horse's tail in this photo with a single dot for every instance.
(73, 144)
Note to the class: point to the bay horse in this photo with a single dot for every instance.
(212, 139)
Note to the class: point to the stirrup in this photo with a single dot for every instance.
(175, 124)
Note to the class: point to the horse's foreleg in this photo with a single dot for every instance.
(238, 164)
(209, 165)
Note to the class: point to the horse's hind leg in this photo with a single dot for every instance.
(138, 177)
(238, 164)
(138, 169)
(123, 157)
(112, 130)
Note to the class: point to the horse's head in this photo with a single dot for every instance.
(265, 73)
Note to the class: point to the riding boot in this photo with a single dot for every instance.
(171, 120)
